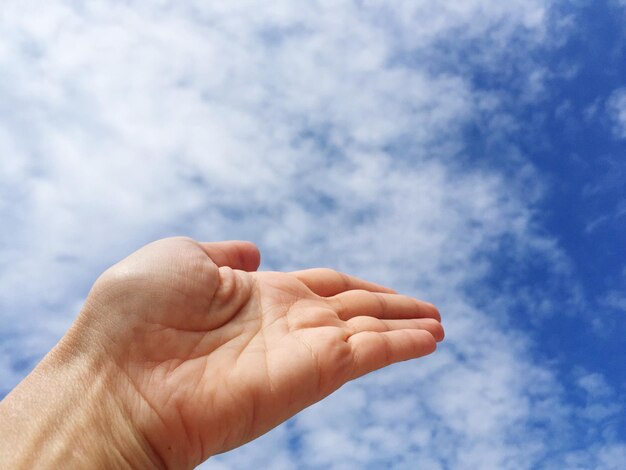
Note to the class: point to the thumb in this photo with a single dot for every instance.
(235, 254)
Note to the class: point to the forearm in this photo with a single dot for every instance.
(64, 416)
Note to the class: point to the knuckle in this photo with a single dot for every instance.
(228, 283)
(114, 284)
(337, 304)
(382, 302)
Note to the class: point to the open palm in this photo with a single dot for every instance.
(210, 354)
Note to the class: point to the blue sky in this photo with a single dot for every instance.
(469, 153)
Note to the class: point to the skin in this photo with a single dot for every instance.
(183, 351)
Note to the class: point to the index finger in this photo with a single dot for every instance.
(327, 282)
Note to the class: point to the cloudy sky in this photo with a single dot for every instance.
(471, 153)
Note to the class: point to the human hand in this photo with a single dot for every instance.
(200, 354)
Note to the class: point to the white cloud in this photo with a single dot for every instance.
(615, 298)
(616, 107)
(331, 134)
(594, 384)
(609, 457)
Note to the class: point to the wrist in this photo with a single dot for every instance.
(66, 414)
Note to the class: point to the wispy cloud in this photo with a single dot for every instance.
(331, 134)
(616, 108)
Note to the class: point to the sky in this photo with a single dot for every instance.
(471, 153)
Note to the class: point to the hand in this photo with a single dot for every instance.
(201, 354)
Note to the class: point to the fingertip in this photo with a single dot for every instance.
(250, 255)
(433, 327)
(434, 331)
(440, 333)
(237, 254)
(432, 344)
(432, 310)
